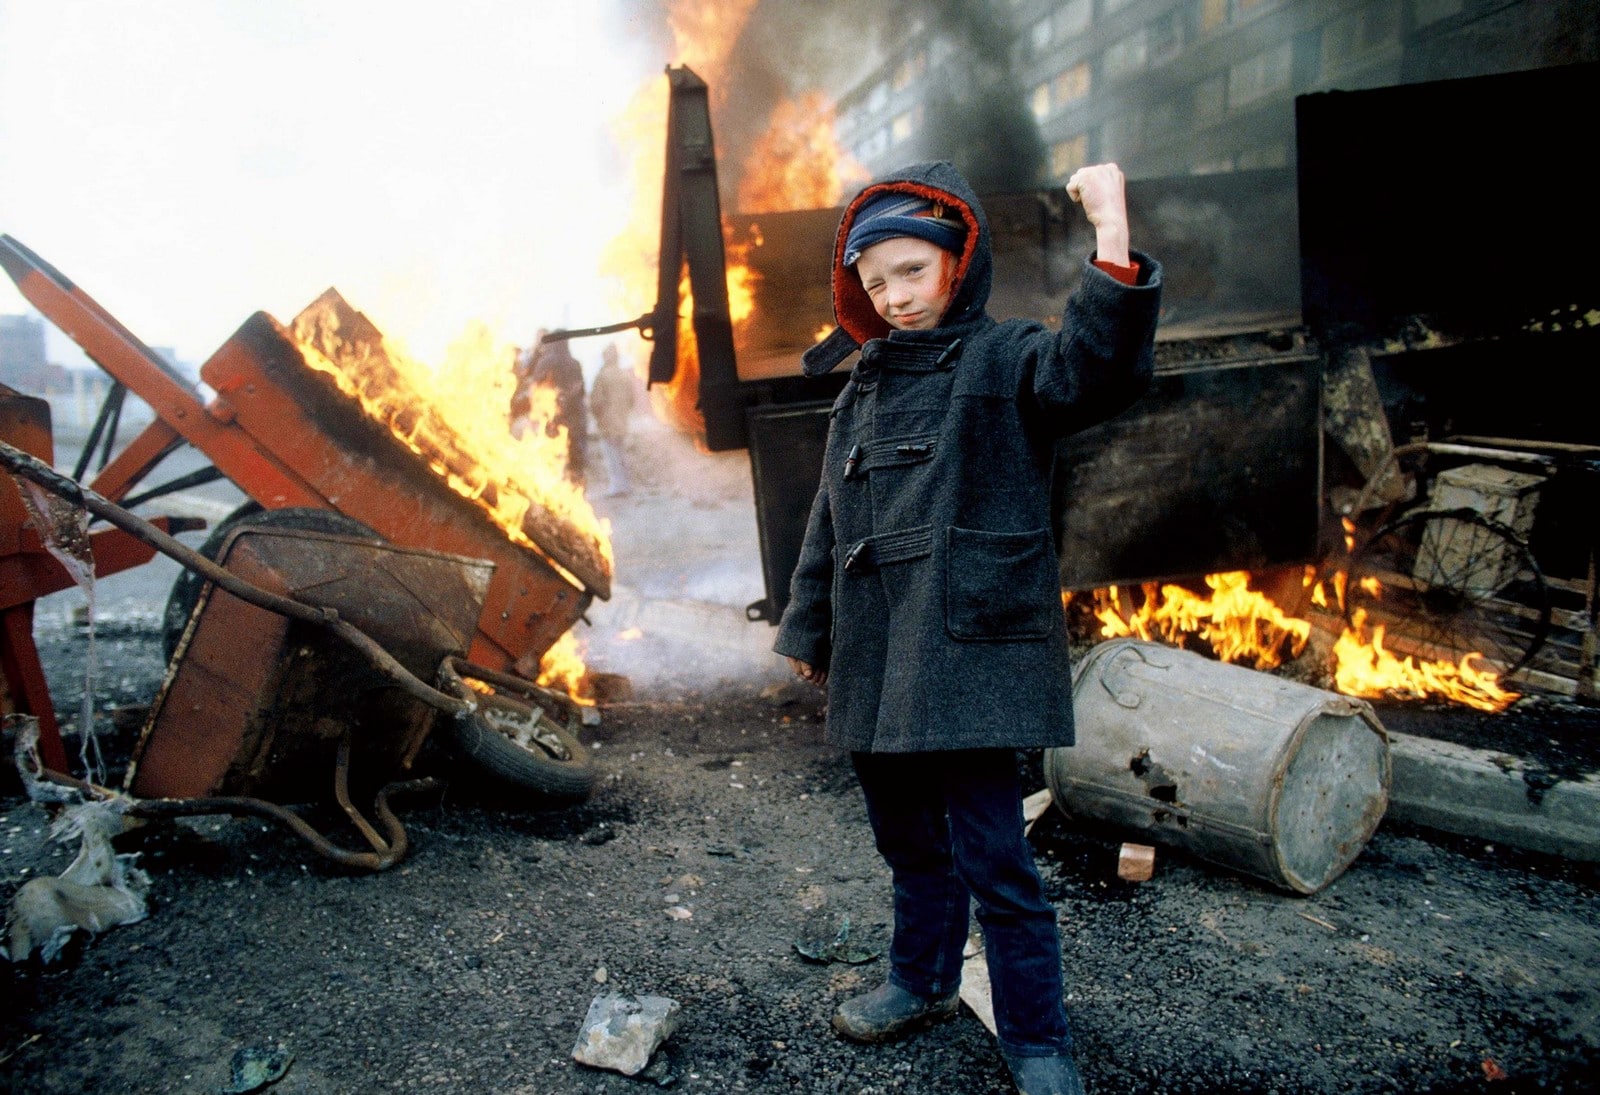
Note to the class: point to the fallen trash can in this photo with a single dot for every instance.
(1263, 775)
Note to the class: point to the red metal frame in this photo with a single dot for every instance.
(28, 571)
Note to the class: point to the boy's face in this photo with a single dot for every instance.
(908, 281)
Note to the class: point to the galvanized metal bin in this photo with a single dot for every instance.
(1275, 779)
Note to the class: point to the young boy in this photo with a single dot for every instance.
(927, 594)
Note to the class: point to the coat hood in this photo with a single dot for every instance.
(858, 322)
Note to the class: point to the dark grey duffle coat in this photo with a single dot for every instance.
(928, 584)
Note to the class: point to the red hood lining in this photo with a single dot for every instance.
(852, 308)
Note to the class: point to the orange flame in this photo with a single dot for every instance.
(1366, 668)
(456, 419)
(797, 164)
(1243, 625)
(1239, 623)
(562, 667)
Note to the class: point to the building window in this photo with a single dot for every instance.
(1039, 37)
(909, 70)
(1165, 37)
(1126, 56)
(1259, 76)
(1072, 18)
(1069, 155)
(1071, 85)
(1248, 9)
(1210, 14)
(1424, 12)
(905, 125)
(1039, 102)
(1211, 99)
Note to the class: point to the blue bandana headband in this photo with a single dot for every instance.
(892, 214)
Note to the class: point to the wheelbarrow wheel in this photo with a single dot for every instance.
(186, 590)
(521, 746)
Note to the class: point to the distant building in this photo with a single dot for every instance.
(1171, 87)
(23, 363)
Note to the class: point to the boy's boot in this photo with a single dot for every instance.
(889, 1012)
(1056, 1074)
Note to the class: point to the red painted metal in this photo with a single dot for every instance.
(268, 725)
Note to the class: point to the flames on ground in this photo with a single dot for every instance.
(1239, 624)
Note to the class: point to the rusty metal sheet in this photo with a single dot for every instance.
(358, 468)
(254, 704)
(305, 445)
(1217, 467)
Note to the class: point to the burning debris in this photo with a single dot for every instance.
(453, 421)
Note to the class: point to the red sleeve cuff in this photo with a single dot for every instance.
(1128, 275)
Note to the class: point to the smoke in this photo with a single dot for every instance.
(688, 562)
(980, 120)
(977, 117)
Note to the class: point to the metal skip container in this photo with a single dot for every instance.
(1269, 777)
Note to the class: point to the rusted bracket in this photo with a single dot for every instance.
(645, 324)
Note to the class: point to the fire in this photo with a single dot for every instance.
(1244, 625)
(704, 33)
(562, 667)
(456, 418)
(797, 164)
(1239, 623)
(1366, 668)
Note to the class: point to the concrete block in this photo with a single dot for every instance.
(1493, 797)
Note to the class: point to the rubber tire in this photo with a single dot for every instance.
(186, 590)
(564, 780)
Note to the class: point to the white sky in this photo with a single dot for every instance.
(190, 162)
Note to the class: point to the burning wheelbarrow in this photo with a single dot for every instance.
(308, 647)
(318, 416)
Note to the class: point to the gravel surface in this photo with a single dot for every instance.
(722, 834)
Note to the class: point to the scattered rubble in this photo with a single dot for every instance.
(622, 1031)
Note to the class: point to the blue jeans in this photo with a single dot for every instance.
(949, 824)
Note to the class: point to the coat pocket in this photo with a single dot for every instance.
(1000, 585)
